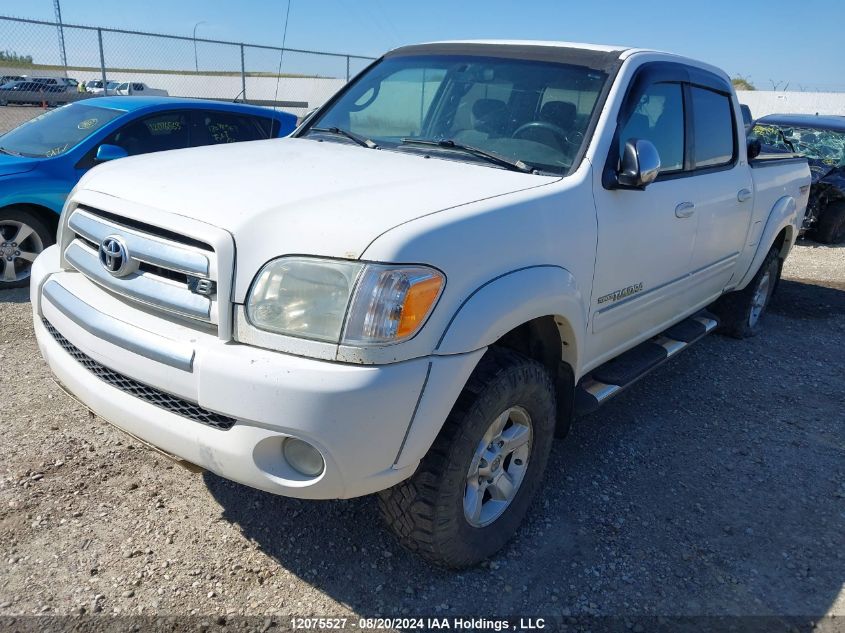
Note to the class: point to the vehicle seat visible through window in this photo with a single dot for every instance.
(135, 139)
(559, 113)
(491, 116)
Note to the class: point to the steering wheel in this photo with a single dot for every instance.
(559, 132)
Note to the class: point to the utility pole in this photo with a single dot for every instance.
(58, 11)
(196, 61)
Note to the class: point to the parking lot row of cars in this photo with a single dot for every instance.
(20, 89)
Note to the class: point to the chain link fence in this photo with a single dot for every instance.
(291, 79)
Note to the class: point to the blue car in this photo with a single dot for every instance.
(42, 160)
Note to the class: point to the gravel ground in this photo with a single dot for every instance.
(715, 486)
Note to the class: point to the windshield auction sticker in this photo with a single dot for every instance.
(87, 124)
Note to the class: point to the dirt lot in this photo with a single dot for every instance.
(715, 486)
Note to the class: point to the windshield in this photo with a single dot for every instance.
(531, 111)
(56, 131)
(827, 146)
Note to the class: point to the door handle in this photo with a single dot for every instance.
(743, 194)
(684, 210)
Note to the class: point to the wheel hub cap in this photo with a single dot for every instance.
(19, 246)
(498, 467)
(761, 297)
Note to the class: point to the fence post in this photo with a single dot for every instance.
(243, 74)
(347, 68)
(102, 59)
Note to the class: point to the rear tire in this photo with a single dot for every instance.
(23, 235)
(831, 226)
(740, 312)
(474, 486)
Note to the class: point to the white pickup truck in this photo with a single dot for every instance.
(467, 246)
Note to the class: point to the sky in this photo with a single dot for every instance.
(769, 42)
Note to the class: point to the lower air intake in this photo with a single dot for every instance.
(166, 401)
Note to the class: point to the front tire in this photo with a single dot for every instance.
(740, 312)
(473, 488)
(23, 235)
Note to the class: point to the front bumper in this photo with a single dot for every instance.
(359, 417)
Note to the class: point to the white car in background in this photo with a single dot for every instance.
(96, 87)
(138, 89)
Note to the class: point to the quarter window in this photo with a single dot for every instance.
(659, 118)
(714, 128)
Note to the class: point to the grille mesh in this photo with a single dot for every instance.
(166, 401)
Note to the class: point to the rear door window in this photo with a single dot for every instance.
(713, 122)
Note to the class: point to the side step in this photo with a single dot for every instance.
(615, 375)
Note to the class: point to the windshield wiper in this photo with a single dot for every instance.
(513, 165)
(10, 152)
(361, 140)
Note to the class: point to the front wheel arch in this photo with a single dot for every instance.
(49, 217)
(510, 301)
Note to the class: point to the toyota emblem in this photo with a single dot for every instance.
(114, 257)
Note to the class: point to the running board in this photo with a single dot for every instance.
(607, 380)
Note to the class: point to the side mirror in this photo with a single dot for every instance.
(754, 148)
(640, 164)
(110, 152)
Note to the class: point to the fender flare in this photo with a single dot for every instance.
(784, 214)
(488, 313)
(513, 298)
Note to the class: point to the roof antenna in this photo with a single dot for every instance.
(281, 56)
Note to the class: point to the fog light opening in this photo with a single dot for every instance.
(303, 457)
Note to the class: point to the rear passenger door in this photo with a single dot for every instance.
(723, 190)
(209, 127)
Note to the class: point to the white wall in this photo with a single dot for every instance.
(763, 102)
(312, 90)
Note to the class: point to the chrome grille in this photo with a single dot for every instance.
(163, 265)
(161, 399)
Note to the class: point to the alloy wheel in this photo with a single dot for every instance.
(20, 244)
(498, 467)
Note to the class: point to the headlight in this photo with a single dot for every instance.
(342, 301)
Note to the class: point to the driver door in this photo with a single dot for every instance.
(645, 238)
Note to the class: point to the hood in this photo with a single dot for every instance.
(301, 196)
(821, 171)
(16, 164)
